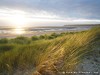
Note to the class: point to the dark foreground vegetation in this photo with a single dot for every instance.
(47, 54)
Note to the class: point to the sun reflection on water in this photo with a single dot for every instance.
(19, 31)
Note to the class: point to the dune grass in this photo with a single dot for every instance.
(57, 52)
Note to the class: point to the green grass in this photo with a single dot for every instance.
(60, 52)
(3, 41)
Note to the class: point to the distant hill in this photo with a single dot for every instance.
(74, 25)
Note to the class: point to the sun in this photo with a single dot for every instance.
(18, 20)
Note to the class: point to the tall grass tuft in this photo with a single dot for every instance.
(20, 40)
(65, 53)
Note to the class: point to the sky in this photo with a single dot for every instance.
(49, 12)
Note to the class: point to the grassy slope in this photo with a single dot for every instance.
(55, 52)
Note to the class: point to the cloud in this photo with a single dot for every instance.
(59, 11)
(6, 12)
(66, 8)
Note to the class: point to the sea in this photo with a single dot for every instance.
(4, 30)
(29, 31)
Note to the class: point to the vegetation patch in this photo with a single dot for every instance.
(47, 54)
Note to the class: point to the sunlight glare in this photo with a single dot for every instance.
(18, 31)
(18, 20)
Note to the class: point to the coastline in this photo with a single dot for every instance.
(34, 33)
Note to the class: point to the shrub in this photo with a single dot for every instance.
(3, 41)
(54, 34)
(21, 40)
(6, 47)
(51, 37)
(34, 38)
(43, 36)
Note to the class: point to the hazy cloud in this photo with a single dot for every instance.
(65, 11)
(66, 8)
